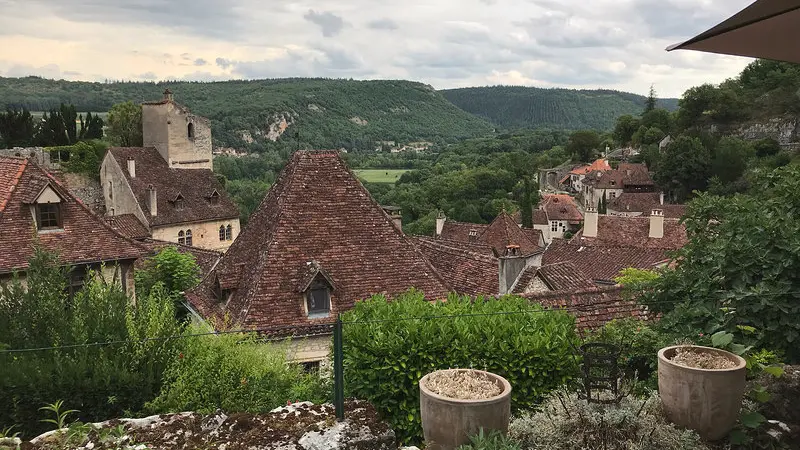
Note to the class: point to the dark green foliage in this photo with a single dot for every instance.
(384, 361)
(730, 159)
(16, 128)
(741, 265)
(625, 128)
(125, 124)
(767, 147)
(85, 157)
(101, 382)
(172, 271)
(684, 168)
(584, 146)
(234, 373)
(320, 109)
(529, 107)
(490, 441)
(650, 102)
(51, 131)
(92, 128)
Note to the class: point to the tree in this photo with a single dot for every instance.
(51, 131)
(695, 104)
(16, 128)
(653, 135)
(730, 159)
(684, 168)
(92, 128)
(625, 128)
(583, 145)
(125, 124)
(650, 103)
(767, 147)
(659, 118)
(741, 266)
(602, 205)
(69, 116)
(172, 271)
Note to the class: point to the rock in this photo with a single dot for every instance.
(10, 443)
(784, 398)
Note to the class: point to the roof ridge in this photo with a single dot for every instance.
(452, 249)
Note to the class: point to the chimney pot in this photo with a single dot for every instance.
(132, 167)
(656, 224)
(153, 200)
(440, 219)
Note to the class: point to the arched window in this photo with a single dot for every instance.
(222, 232)
(190, 130)
(229, 233)
(181, 238)
(188, 237)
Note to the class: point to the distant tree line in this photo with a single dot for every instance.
(59, 127)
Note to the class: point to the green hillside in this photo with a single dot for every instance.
(529, 107)
(325, 113)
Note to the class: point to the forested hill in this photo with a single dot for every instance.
(325, 113)
(530, 107)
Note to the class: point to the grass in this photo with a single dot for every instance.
(380, 175)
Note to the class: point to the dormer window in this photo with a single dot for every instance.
(179, 202)
(48, 216)
(473, 234)
(214, 198)
(318, 300)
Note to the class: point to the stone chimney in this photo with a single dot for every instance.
(397, 220)
(661, 198)
(167, 95)
(132, 167)
(440, 218)
(509, 267)
(153, 197)
(590, 223)
(657, 224)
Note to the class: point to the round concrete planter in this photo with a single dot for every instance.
(449, 422)
(705, 400)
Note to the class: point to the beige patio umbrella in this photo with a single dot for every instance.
(767, 29)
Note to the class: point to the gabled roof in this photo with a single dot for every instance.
(560, 276)
(645, 202)
(504, 231)
(85, 238)
(317, 210)
(599, 164)
(128, 225)
(592, 307)
(194, 185)
(626, 175)
(462, 231)
(560, 207)
(466, 271)
(603, 263)
(619, 231)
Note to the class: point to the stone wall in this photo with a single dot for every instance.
(313, 348)
(38, 154)
(87, 189)
(117, 194)
(165, 126)
(204, 234)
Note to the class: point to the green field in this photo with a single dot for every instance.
(379, 175)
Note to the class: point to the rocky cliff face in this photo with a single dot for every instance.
(783, 129)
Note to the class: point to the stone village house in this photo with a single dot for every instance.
(168, 185)
(35, 209)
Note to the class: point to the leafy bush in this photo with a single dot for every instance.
(565, 422)
(100, 381)
(235, 373)
(490, 441)
(385, 360)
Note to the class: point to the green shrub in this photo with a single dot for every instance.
(101, 382)
(384, 361)
(235, 373)
(565, 422)
(490, 441)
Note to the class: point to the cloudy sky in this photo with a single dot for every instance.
(616, 44)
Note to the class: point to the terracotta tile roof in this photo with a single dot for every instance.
(467, 272)
(560, 207)
(502, 232)
(644, 202)
(600, 263)
(316, 212)
(85, 238)
(599, 164)
(128, 225)
(619, 231)
(195, 186)
(11, 170)
(205, 259)
(560, 276)
(534, 235)
(625, 176)
(593, 307)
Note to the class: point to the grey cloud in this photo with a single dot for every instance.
(383, 24)
(23, 70)
(224, 63)
(149, 76)
(329, 23)
(322, 61)
(200, 62)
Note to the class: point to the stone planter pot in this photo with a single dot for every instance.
(705, 400)
(449, 422)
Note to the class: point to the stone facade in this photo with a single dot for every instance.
(119, 272)
(117, 193)
(311, 349)
(182, 138)
(38, 154)
(204, 234)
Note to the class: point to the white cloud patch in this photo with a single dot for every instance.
(448, 43)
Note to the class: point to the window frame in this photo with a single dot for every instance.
(229, 233)
(322, 311)
(181, 237)
(222, 233)
(189, 240)
(55, 216)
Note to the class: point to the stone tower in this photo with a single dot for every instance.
(182, 138)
